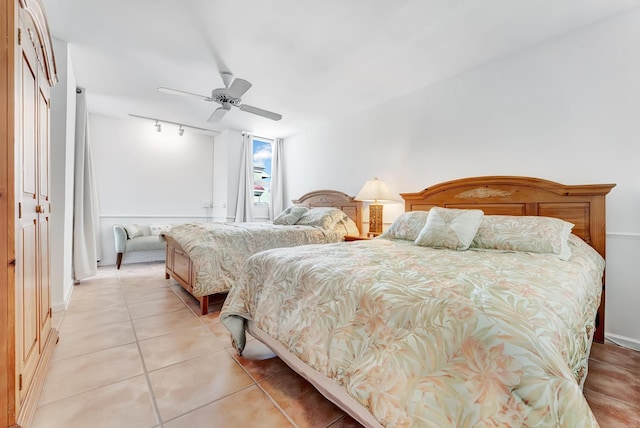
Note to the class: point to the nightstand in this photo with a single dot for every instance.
(349, 238)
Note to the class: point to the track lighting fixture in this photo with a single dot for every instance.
(181, 127)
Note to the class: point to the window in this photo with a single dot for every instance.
(261, 172)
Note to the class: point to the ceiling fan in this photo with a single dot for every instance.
(227, 97)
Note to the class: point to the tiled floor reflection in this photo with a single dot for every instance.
(134, 352)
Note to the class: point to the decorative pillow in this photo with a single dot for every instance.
(291, 215)
(450, 228)
(351, 228)
(323, 217)
(407, 226)
(157, 229)
(532, 234)
(133, 230)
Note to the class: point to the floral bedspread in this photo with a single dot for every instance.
(218, 250)
(432, 337)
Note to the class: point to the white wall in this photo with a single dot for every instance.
(63, 111)
(146, 176)
(566, 110)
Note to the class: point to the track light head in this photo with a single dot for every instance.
(181, 131)
(158, 127)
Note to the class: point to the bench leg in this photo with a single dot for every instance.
(118, 260)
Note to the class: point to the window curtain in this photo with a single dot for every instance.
(244, 205)
(86, 212)
(277, 204)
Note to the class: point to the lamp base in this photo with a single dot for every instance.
(375, 219)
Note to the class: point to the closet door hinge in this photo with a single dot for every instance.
(50, 315)
(19, 209)
(20, 382)
(19, 36)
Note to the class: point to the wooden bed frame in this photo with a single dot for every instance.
(179, 266)
(582, 205)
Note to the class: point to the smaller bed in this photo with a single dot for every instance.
(206, 258)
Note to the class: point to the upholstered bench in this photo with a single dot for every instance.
(137, 237)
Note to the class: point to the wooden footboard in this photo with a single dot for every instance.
(179, 266)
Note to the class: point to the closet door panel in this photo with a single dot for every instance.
(43, 210)
(27, 310)
(28, 283)
(44, 295)
(28, 89)
(43, 144)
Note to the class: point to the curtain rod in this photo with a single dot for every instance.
(258, 136)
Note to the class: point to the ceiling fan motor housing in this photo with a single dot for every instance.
(220, 96)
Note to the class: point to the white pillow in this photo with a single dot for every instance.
(351, 226)
(133, 230)
(407, 226)
(531, 234)
(322, 217)
(450, 228)
(290, 216)
(157, 229)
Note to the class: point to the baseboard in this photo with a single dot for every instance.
(624, 341)
(623, 235)
(62, 306)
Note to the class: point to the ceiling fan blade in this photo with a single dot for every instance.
(260, 112)
(218, 114)
(238, 88)
(183, 93)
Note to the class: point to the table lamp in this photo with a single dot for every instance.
(375, 191)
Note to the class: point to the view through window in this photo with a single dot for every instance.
(261, 172)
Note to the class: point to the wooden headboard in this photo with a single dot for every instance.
(333, 198)
(583, 205)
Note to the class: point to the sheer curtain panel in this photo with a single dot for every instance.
(86, 212)
(244, 206)
(277, 203)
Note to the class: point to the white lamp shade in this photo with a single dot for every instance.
(377, 191)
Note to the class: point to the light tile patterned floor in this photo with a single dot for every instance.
(134, 353)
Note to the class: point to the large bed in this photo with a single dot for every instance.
(400, 332)
(206, 258)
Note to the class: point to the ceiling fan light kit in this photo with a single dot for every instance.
(227, 97)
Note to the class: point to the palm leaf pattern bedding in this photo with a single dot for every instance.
(218, 250)
(432, 337)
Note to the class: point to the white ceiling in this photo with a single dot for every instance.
(309, 60)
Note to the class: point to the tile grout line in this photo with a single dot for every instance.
(152, 395)
(209, 403)
(255, 382)
(264, 391)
